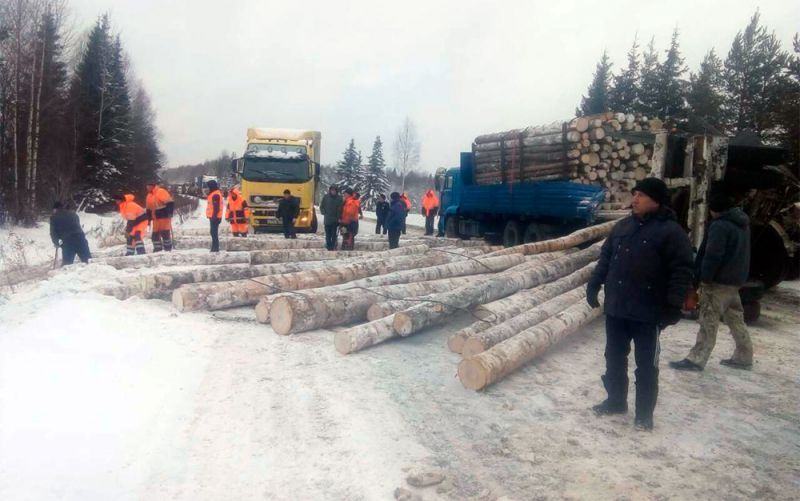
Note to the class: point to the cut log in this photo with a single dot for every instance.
(456, 269)
(176, 258)
(637, 149)
(503, 309)
(291, 313)
(364, 335)
(504, 284)
(292, 255)
(590, 159)
(228, 294)
(565, 242)
(482, 341)
(502, 359)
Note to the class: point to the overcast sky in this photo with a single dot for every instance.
(355, 69)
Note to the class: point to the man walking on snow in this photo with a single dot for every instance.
(645, 267)
(721, 267)
(430, 207)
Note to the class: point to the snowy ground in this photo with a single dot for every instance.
(108, 399)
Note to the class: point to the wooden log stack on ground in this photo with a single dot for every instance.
(602, 150)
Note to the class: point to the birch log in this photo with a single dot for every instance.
(529, 275)
(565, 242)
(503, 309)
(364, 335)
(221, 295)
(504, 358)
(482, 341)
(176, 258)
(423, 274)
(291, 255)
(291, 313)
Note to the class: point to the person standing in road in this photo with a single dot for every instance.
(645, 267)
(66, 232)
(288, 209)
(381, 212)
(331, 209)
(395, 220)
(214, 212)
(430, 207)
(721, 268)
(160, 208)
(238, 213)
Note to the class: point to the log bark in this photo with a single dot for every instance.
(292, 255)
(291, 313)
(174, 259)
(482, 341)
(504, 284)
(566, 242)
(501, 310)
(364, 335)
(221, 295)
(502, 359)
(448, 270)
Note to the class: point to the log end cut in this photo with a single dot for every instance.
(281, 316)
(456, 342)
(402, 324)
(343, 342)
(177, 300)
(262, 312)
(375, 312)
(472, 347)
(472, 374)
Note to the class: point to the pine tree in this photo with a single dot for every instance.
(117, 138)
(754, 72)
(670, 96)
(787, 114)
(375, 180)
(348, 169)
(146, 156)
(649, 83)
(706, 96)
(596, 100)
(623, 95)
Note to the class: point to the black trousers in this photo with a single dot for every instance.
(331, 236)
(429, 224)
(403, 231)
(380, 225)
(214, 234)
(619, 334)
(73, 245)
(288, 227)
(394, 239)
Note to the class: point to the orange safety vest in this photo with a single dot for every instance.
(350, 210)
(156, 204)
(406, 201)
(429, 201)
(134, 214)
(238, 212)
(210, 214)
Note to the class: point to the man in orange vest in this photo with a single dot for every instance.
(238, 213)
(349, 220)
(407, 202)
(430, 207)
(136, 216)
(214, 212)
(160, 207)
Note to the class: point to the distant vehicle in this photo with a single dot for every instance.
(276, 160)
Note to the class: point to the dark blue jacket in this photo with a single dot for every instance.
(724, 255)
(645, 266)
(397, 216)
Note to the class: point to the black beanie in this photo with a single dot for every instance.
(719, 202)
(653, 188)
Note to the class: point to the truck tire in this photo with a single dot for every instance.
(533, 233)
(451, 227)
(512, 235)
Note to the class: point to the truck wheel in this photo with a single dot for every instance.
(511, 234)
(533, 233)
(451, 227)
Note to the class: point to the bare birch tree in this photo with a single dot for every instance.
(406, 150)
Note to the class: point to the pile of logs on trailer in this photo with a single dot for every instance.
(523, 299)
(599, 149)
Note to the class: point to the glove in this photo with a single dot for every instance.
(669, 316)
(592, 290)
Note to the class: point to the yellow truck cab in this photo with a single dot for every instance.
(276, 160)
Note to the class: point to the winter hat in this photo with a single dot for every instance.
(653, 188)
(394, 196)
(719, 202)
(212, 185)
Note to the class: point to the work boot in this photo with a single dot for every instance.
(643, 423)
(607, 408)
(735, 364)
(686, 365)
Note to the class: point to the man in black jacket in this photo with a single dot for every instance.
(66, 232)
(645, 267)
(721, 268)
(381, 212)
(288, 209)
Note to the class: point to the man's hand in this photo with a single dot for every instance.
(669, 316)
(592, 291)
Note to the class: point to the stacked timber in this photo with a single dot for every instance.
(602, 150)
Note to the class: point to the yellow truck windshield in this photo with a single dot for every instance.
(262, 169)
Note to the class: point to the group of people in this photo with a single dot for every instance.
(341, 214)
(646, 270)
